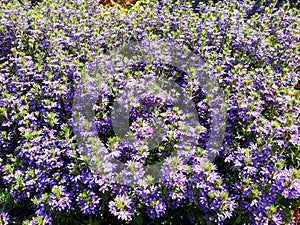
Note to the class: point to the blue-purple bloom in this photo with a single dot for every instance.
(122, 207)
(155, 206)
(88, 202)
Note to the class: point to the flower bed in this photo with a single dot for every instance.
(46, 52)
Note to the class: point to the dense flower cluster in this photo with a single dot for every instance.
(253, 52)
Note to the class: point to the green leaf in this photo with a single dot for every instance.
(238, 220)
(139, 220)
(3, 112)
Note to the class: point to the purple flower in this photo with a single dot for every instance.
(44, 220)
(133, 172)
(122, 207)
(288, 181)
(4, 218)
(88, 202)
(155, 206)
(60, 199)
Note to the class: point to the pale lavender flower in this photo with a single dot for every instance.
(122, 207)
